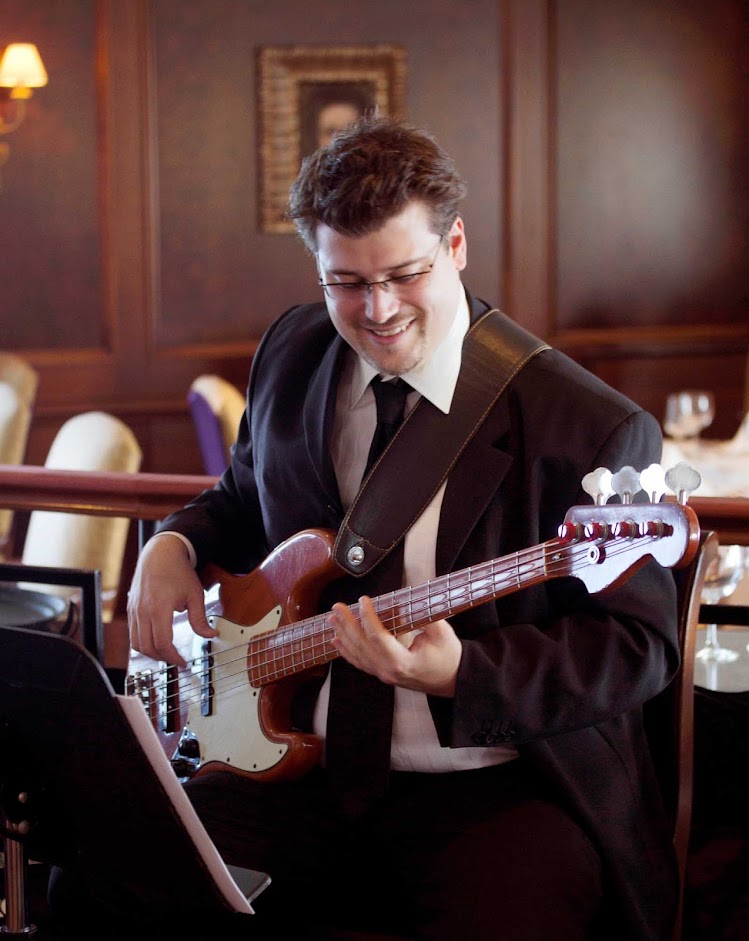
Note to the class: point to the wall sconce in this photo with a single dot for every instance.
(21, 71)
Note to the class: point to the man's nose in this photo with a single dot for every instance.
(380, 304)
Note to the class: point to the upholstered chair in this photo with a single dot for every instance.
(18, 385)
(216, 407)
(92, 441)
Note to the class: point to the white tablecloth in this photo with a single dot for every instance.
(724, 468)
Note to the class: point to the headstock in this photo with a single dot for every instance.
(615, 539)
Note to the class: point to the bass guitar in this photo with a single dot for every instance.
(231, 708)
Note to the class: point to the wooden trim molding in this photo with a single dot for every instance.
(135, 496)
(652, 341)
(727, 516)
(154, 496)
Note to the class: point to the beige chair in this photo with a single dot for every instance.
(217, 408)
(92, 441)
(19, 374)
(18, 385)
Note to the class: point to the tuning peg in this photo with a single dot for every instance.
(653, 482)
(626, 483)
(597, 484)
(682, 480)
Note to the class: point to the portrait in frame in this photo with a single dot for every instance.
(306, 95)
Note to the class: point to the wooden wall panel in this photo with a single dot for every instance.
(222, 280)
(605, 146)
(652, 152)
(52, 297)
(627, 208)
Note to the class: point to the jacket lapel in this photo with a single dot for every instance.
(320, 402)
(472, 483)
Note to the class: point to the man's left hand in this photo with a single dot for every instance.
(429, 665)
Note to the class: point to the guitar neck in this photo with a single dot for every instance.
(304, 644)
(600, 545)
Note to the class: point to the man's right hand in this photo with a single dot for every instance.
(164, 582)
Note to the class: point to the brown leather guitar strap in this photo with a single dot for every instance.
(421, 454)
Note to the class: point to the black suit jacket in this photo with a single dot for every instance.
(561, 674)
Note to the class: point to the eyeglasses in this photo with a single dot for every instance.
(399, 285)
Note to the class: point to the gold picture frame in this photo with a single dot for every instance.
(301, 88)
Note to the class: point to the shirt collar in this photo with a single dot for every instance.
(436, 379)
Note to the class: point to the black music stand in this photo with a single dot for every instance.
(77, 784)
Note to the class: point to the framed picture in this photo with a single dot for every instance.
(309, 93)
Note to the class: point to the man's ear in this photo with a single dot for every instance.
(456, 239)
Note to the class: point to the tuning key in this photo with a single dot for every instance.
(653, 482)
(683, 480)
(597, 484)
(626, 483)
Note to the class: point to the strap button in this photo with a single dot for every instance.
(355, 555)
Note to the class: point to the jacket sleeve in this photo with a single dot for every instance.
(574, 659)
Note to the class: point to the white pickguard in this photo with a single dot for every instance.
(232, 734)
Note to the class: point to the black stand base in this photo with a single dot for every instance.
(16, 925)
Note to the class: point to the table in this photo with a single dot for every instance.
(725, 677)
(724, 468)
(723, 465)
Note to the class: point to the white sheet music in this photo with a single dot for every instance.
(146, 735)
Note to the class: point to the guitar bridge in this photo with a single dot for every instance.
(160, 700)
(186, 758)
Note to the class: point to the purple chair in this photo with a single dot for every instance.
(217, 408)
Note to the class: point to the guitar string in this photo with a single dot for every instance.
(330, 653)
(278, 635)
(392, 620)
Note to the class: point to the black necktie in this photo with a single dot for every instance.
(360, 714)
(390, 398)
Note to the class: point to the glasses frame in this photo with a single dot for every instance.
(352, 290)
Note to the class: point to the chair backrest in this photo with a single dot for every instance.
(669, 717)
(217, 408)
(92, 441)
(15, 423)
(18, 384)
(19, 374)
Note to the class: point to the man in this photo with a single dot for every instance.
(521, 801)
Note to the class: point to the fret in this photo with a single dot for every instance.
(410, 604)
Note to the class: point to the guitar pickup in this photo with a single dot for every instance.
(205, 676)
(168, 704)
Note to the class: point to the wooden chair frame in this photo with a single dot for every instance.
(669, 717)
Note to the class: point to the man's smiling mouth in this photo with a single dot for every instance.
(389, 331)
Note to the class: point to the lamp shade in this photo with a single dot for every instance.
(21, 69)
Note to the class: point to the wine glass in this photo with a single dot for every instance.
(688, 412)
(723, 575)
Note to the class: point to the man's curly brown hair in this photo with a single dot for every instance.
(369, 173)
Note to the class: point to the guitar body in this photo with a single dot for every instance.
(225, 722)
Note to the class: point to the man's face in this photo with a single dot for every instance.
(395, 327)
